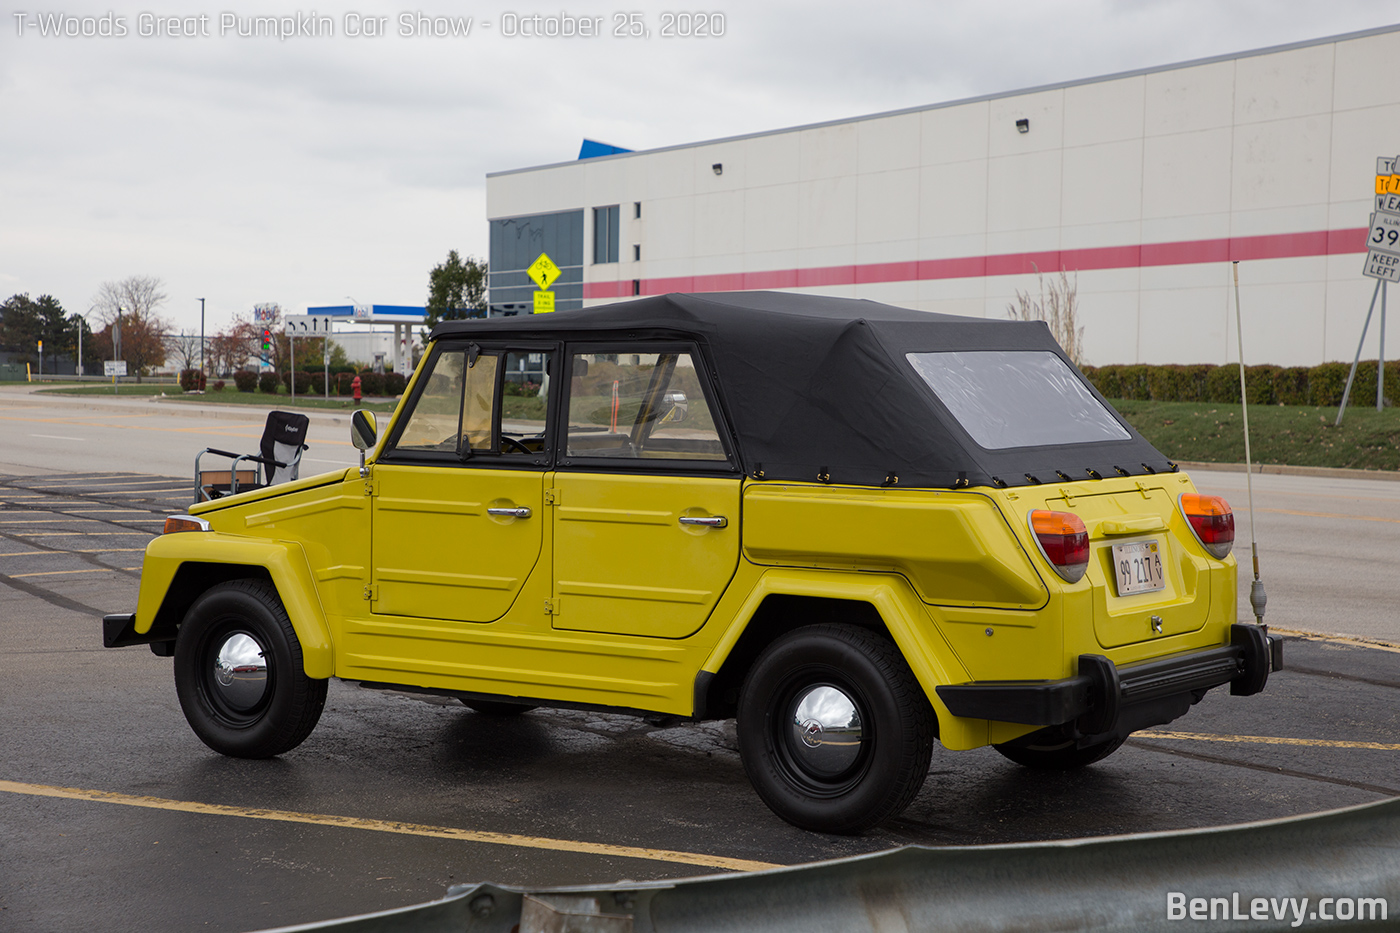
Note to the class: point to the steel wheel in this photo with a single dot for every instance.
(239, 673)
(834, 730)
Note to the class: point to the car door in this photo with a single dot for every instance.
(458, 493)
(645, 499)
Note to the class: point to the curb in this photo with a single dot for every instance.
(1285, 470)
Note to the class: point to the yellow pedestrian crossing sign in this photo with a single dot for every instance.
(543, 271)
(544, 302)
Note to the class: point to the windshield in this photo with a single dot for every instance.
(1017, 398)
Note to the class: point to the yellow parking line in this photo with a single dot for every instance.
(55, 573)
(389, 826)
(91, 534)
(1267, 740)
(43, 521)
(1356, 640)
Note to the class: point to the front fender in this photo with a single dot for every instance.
(284, 562)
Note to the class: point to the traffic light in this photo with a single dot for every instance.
(267, 341)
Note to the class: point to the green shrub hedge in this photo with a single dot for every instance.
(1320, 385)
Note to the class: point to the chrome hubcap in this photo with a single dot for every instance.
(240, 672)
(826, 733)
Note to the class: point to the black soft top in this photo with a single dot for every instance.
(820, 387)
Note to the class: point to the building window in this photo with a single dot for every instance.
(605, 234)
(637, 210)
(636, 252)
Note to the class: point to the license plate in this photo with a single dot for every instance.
(1139, 567)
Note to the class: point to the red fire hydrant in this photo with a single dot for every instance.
(355, 388)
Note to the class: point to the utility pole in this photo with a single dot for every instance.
(201, 336)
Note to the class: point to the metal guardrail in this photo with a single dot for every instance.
(1345, 863)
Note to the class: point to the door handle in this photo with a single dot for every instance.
(707, 521)
(520, 512)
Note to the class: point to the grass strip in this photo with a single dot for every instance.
(1279, 434)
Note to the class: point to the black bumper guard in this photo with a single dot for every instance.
(1103, 698)
(119, 631)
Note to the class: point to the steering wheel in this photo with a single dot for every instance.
(507, 439)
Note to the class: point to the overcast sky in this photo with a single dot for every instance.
(306, 169)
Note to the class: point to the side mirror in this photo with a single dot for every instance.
(364, 431)
(677, 406)
(363, 434)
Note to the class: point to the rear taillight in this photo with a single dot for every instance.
(1212, 522)
(1063, 540)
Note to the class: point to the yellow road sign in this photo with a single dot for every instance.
(543, 272)
(544, 302)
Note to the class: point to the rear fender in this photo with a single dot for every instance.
(906, 618)
(209, 558)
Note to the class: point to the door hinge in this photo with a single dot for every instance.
(551, 607)
(372, 592)
(371, 487)
(551, 497)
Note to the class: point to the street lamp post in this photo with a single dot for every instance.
(117, 345)
(82, 326)
(201, 336)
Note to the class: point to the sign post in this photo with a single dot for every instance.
(115, 369)
(1382, 264)
(543, 272)
(305, 325)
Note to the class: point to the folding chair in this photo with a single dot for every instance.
(283, 440)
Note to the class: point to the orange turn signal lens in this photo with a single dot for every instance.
(1211, 521)
(174, 523)
(1063, 540)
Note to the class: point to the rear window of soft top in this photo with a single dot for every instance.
(1016, 398)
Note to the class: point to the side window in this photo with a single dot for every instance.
(479, 402)
(648, 406)
(524, 402)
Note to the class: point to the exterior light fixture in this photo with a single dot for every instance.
(1023, 125)
(718, 168)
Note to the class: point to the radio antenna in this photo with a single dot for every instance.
(1257, 598)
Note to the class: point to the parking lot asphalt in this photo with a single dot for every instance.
(114, 816)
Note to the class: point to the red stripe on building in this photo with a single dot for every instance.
(1185, 252)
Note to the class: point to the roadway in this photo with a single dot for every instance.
(114, 816)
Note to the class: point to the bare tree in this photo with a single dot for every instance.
(1058, 307)
(231, 349)
(184, 349)
(137, 295)
(128, 308)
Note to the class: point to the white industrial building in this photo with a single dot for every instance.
(1144, 185)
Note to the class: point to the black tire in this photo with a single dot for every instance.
(1060, 756)
(497, 707)
(860, 788)
(230, 713)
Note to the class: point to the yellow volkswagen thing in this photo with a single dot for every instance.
(859, 529)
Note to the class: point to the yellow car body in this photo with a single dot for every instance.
(556, 580)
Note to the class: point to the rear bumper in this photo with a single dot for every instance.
(1103, 698)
